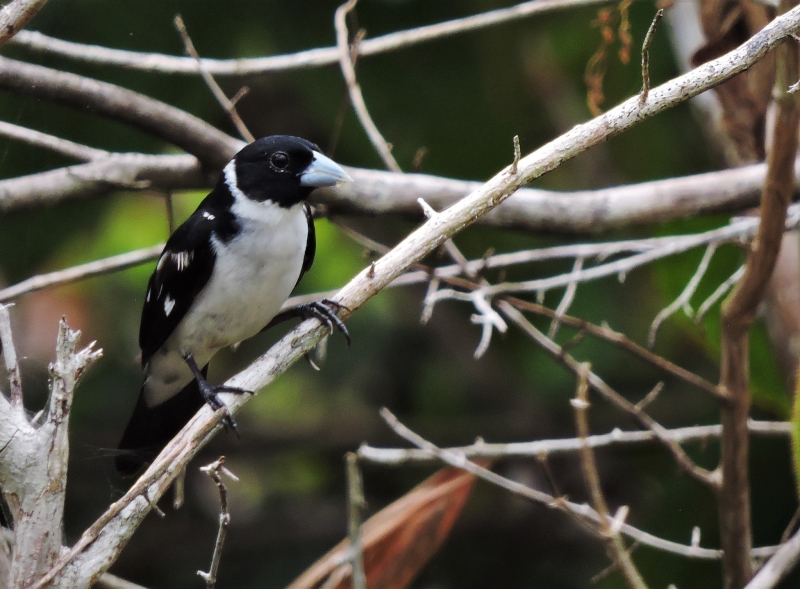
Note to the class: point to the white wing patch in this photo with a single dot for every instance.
(169, 304)
(209, 216)
(180, 259)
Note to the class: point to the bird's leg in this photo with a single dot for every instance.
(324, 310)
(210, 392)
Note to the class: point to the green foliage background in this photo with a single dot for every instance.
(463, 99)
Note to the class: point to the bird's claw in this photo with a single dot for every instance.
(210, 393)
(325, 311)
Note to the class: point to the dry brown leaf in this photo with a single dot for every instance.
(399, 539)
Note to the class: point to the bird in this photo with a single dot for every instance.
(223, 277)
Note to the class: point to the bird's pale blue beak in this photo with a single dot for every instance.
(323, 171)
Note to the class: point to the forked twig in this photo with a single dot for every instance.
(356, 97)
(222, 98)
(683, 299)
(215, 471)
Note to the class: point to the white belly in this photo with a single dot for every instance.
(253, 276)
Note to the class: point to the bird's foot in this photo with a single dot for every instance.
(210, 392)
(326, 311)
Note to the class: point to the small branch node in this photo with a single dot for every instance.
(427, 209)
(695, 542)
(517, 156)
(648, 39)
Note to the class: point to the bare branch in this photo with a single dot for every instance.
(720, 292)
(648, 39)
(584, 511)
(211, 146)
(76, 273)
(738, 313)
(566, 300)
(214, 471)
(15, 15)
(777, 567)
(356, 97)
(377, 193)
(101, 177)
(228, 105)
(608, 529)
(65, 147)
(355, 503)
(686, 295)
(683, 460)
(34, 467)
(154, 62)
(492, 451)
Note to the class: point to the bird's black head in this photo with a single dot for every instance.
(282, 169)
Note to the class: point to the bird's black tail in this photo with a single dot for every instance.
(151, 428)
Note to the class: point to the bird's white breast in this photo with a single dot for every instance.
(254, 273)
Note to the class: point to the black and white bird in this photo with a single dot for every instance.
(222, 278)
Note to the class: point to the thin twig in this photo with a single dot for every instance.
(10, 358)
(720, 292)
(81, 272)
(584, 511)
(214, 471)
(683, 460)
(683, 299)
(355, 503)
(566, 300)
(228, 105)
(648, 39)
(592, 479)
(169, 205)
(213, 147)
(356, 97)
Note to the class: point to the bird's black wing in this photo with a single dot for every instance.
(182, 271)
(311, 243)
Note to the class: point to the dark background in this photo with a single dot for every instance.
(463, 98)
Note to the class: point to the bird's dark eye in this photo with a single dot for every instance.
(279, 160)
